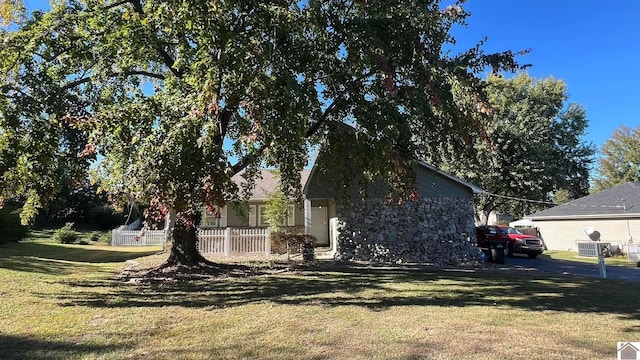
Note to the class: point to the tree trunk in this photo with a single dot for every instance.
(184, 251)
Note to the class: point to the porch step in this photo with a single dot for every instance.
(324, 253)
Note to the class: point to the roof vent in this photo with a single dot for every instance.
(591, 233)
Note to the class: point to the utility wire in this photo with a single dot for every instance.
(552, 203)
(520, 199)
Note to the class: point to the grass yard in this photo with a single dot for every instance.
(618, 260)
(61, 302)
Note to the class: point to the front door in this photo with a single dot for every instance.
(320, 226)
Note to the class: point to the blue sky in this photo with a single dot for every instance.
(594, 46)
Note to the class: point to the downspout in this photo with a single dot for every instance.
(629, 237)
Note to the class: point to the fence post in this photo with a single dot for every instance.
(267, 242)
(227, 241)
(113, 237)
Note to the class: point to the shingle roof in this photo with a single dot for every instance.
(267, 183)
(616, 201)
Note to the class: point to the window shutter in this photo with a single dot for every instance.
(252, 215)
(223, 217)
(291, 218)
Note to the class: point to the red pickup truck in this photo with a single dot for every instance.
(517, 242)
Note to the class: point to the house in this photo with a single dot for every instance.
(627, 351)
(614, 213)
(433, 228)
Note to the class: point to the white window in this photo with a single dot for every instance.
(217, 218)
(262, 215)
(291, 216)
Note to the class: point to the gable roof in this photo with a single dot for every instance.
(475, 189)
(267, 183)
(619, 201)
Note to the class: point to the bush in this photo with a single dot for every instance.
(297, 243)
(66, 235)
(95, 236)
(10, 227)
(105, 237)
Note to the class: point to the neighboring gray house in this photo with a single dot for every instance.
(614, 213)
(434, 228)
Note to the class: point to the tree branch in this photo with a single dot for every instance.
(126, 73)
(116, 4)
(245, 161)
(315, 127)
(167, 59)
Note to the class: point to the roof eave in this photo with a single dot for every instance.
(475, 189)
(580, 217)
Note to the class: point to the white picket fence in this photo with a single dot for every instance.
(225, 242)
(230, 241)
(138, 237)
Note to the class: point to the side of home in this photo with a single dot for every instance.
(614, 213)
(433, 228)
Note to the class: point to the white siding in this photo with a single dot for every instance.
(563, 234)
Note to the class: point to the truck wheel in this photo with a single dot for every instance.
(533, 255)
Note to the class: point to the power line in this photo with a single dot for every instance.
(551, 203)
(520, 199)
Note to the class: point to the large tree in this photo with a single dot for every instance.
(534, 147)
(619, 159)
(178, 96)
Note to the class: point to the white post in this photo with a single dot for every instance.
(267, 244)
(307, 216)
(227, 241)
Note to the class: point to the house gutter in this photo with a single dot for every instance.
(581, 217)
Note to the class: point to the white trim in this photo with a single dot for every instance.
(259, 215)
(474, 188)
(307, 216)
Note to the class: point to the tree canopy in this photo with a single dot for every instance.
(619, 159)
(534, 147)
(175, 97)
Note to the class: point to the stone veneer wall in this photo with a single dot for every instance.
(436, 231)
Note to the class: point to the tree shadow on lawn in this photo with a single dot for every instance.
(27, 347)
(35, 265)
(45, 257)
(373, 288)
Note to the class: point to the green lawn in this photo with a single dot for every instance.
(62, 302)
(618, 260)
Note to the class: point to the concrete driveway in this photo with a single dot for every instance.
(563, 267)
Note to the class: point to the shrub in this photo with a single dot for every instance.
(95, 236)
(294, 242)
(105, 237)
(65, 235)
